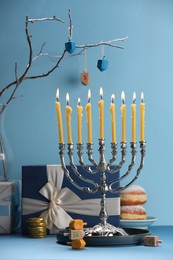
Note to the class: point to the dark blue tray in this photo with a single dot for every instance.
(135, 237)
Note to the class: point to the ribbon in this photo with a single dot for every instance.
(63, 200)
(6, 192)
(7, 209)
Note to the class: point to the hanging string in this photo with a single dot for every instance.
(85, 61)
(102, 51)
(70, 32)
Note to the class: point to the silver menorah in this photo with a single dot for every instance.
(103, 228)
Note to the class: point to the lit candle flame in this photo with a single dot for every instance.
(67, 99)
(89, 95)
(134, 97)
(101, 93)
(78, 102)
(57, 94)
(142, 97)
(113, 98)
(123, 96)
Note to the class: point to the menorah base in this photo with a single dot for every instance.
(105, 231)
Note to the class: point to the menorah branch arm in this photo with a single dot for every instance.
(61, 153)
(80, 154)
(114, 147)
(75, 170)
(90, 153)
(142, 151)
(114, 152)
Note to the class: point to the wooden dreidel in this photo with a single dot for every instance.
(85, 80)
(77, 224)
(77, 244)
(152, 241)
(76, 234)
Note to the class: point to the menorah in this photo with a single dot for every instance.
(103, 228)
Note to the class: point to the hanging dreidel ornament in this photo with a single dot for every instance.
(85, 80)
(102, 64)
(70, 46)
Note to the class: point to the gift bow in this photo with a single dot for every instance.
(63, 200)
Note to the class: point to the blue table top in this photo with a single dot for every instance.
(18, 247)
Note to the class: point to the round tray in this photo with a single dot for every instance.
(135, 236)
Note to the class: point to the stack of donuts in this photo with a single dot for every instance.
(132, 199)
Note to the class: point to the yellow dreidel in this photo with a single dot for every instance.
(77, 244)
(77, 224)
(152, 241)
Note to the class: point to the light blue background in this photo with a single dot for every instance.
(144, 65)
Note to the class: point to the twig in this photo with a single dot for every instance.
(50, 71)
(109, 43)
(71, 26)
(29, 63)
(54, 18)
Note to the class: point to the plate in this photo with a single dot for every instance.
(135, 237)
(144, 224)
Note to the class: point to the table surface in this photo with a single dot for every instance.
(18, 247)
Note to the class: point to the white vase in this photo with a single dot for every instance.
(6, 155)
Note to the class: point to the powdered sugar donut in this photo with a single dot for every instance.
(136, 212)
(133, 195)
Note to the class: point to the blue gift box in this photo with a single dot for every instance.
(46, 192)
(9, 207)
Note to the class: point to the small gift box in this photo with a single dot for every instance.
(9, 207)
(46, 192)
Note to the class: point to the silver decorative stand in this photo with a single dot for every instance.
(103, 228)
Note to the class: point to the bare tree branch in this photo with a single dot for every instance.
(31, 59)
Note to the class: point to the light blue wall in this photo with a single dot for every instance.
(144, 65)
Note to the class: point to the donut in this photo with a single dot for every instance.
(133, 195)
(136, 212)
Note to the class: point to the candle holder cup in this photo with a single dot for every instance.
(102, 167)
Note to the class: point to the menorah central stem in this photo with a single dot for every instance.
(103, 188)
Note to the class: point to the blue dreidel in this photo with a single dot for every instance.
(102, 64)
(70, 46)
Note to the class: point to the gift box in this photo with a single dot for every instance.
(46, 192)
(9, 207)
